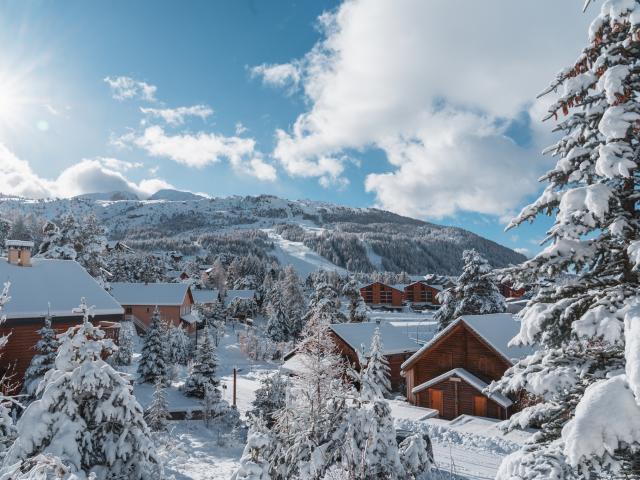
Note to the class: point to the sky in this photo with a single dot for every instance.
(427, 108)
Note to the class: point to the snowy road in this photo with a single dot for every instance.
(465, 461)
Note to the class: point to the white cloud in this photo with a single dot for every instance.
(201, 149)
(240, 128)
(86, 176)
(177, 116)
(431, 84)
(280, 75)
(524, 251)
(127, 88)
(118, 165)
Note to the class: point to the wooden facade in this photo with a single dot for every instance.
(507, 291)
(421, 293)
(171, 314)
(378, 294)
(395, 361)
(455, 396)
(463, 348)
(23, 336)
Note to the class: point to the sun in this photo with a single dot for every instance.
(16, 100)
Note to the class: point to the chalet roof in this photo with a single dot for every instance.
(190, 318)
(424, 282)
(204, 296)
(160, 294)
(231, 294)
(471, 379)
(61, 283)
(496, 329)
(394, 339)
(397, 286)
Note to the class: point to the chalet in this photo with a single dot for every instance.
(509, 291)
(421, 293)
(241, 304)
(177, 275)
(205, 297)
(380, 295)
(354, 340)
(174, 301)
(117, 246)
(450, 372)
(44, 286)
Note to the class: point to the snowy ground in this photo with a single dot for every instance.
(466, 448)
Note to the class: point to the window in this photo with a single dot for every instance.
(128, 310)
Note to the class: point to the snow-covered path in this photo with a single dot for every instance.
(465, 461)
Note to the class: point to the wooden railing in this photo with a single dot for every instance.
(139, 324)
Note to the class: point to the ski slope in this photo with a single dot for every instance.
(302, 258)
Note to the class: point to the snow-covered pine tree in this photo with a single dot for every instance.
(42, 361)
(83, 241)
(203, 370)
(586, 372)
(253, 464)
(126, 336)
(178, 345)
(324, 305)
(87, 416)
(358, 310)
(270, 397)
(7, 428)
(475, 292)
(157, 414)
(374, 380)
(415, 456)
(153, 358)
(285, 308)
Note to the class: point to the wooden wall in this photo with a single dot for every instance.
(168, 313)
(17, 354)
(380, 294)
(458, 399)
(419, 292)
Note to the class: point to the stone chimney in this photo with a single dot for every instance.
(19, 252)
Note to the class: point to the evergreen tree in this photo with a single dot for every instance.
(126, 335)
(153, 363)
(157, 414)
(203, 370)
(475, 292)
(86, 416)
(7, 428)
(416, 456)
(374, 379)
(253, 464)
(83, 241)
(358, 310)
(285, 308)
(586, 372)
(270, 397)
(42, 361)
(178, 346)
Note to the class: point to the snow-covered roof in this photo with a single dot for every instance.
(204, 296)
(398, 286)
(424, 282)
(149, 293)
(60, 283)
(175, 273)
(18, 243)
(471, 379)
(231, 294)
(497, 329)
(394, 339)
(190, 318)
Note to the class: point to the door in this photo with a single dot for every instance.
(435, 400)
(480, 406)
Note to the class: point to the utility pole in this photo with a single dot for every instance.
(234, 385)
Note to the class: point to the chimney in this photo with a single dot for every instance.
(19, 252)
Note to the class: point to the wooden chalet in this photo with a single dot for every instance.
(354, 341)
(450, 372)
(421, 293)
(41, 287)
(174, 301)
(381, 295)
(508, 291)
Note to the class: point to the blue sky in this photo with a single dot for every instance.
(426, 108)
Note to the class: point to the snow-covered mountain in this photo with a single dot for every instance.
(302, 231)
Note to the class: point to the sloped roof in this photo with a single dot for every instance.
(398, 286)
(149, 293)
(394, 339)
(496, 329)
(61, 283)
(231, 294)
(471, 379)
(204, 296)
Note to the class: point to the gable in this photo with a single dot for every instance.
(459, 345)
